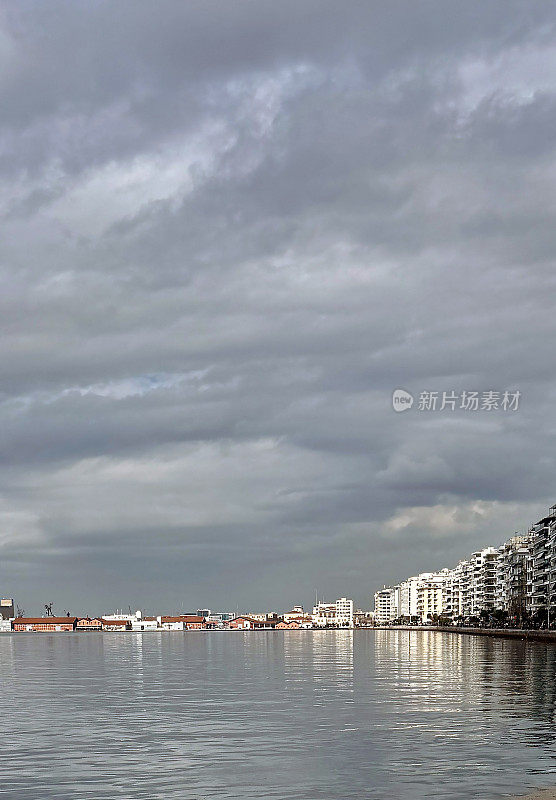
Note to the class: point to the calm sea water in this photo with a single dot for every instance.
(337, 715)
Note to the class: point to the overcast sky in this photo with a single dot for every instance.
(229, 231)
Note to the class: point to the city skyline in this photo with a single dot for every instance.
(516, 578)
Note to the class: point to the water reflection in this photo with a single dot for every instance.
(298, 715)
(484, 700)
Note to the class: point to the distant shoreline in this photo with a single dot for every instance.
(90, 631)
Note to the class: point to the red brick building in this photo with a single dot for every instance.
(250, 624)
(88, 624)
(44, 624)
(193, 622)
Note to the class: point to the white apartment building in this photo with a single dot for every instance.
(324, 615)
(511, 575)
(383, 606)
(337, 615)
(541, 564)
(408, 597)
(344, 613)
(456, 597)
(430, 594)
(481, 595)
(518, 576)
(422, 595)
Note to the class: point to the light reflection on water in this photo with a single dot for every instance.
(324, 715)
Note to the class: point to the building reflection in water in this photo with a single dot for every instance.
(328, 654)
(510, 681)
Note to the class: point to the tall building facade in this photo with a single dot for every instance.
(383, 610)
(344, 613)
(517, 578)
(541, 565)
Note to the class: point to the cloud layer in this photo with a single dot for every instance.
(229, 232)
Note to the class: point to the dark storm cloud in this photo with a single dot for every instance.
(229, 232)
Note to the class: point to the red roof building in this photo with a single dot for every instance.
(250, 624)
(44, 624)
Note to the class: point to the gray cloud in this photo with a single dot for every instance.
(229, 232)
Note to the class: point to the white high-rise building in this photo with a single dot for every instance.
(456, 590)
(422, 596)
(511, 575)
(344, 613)
(430, 596)
(383, 606)
(408, 598)
(541, 565)
(482, 581)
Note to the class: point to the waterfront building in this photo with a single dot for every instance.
(44, 624)
(383, 606)
(220, 617)
(511, 575)
(551, 600)
(541, 565)
(249, 624)
(420, 597)
(193, 622)
(297, 611)
(262, 616)
(481, 595)
(116, 624)
(344, 613)
(517, 577)
(88, 624)
(407, 599)
(430, 597)
(141, 623)
(395, 602)
(457, 590)
(333, 615)
(120, 615)
(324, 615)
(170, 623)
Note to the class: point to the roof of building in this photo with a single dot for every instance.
(44, 620)
(115, 622)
